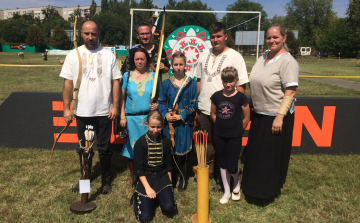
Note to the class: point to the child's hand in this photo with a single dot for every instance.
(151, 193)
(172, 118)
(177, 117)
(154, 106)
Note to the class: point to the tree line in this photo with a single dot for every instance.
(318, 25)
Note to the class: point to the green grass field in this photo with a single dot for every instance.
(331, 67)
(47, 78)
(319, 188)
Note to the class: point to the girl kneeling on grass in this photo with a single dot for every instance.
(230, 113)
(152, 165)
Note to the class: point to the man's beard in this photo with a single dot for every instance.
(91, 44)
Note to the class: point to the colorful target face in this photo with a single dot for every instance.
(191, 41)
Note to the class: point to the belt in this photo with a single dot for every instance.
(148, 172)
(138, 114)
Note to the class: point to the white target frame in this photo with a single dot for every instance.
(199, 11)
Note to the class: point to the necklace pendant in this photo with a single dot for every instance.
(209, 79)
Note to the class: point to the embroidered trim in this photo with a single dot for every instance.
(99, 64)
(273, 59)
(181, 154)
(218, 69)
(138, 206)
(172, 81)
(155, 151)
(84, 65)
(133, 144)
(140, 88)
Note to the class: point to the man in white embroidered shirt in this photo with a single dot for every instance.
(208, 73)
(98, 97)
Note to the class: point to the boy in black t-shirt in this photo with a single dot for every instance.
(228, 107)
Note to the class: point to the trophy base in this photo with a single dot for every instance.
(80, 208)
(194, 219)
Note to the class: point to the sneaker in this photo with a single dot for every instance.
(224, 200)
(235, 196)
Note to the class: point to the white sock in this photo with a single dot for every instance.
(236, 181)
(225, 176)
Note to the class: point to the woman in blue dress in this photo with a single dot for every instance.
(135, 103)
(183, 119)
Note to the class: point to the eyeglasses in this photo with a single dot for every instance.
(144, 34)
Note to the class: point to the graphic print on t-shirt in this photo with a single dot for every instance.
(227, 109)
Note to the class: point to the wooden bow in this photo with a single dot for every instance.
(171, 127)
(161, 43)
(75, 91)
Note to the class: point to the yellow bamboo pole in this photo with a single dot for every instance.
(202, 214)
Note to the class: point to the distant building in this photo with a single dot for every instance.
(65, 12)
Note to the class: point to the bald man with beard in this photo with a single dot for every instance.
(98, 97)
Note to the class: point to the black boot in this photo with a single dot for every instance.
(183, 175)
(105, 161)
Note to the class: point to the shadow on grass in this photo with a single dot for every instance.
(261, 202)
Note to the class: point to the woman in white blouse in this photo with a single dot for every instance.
(273, 83)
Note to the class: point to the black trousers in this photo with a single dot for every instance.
(102, 127)
(144, 207)
(228, 150)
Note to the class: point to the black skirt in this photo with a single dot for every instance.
(157, 182)
(266, 157)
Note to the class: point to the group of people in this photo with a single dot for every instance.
(160, 129)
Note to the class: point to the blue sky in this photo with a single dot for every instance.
(272, 7)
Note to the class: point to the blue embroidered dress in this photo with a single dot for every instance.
(187, 105)
(136, 108)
